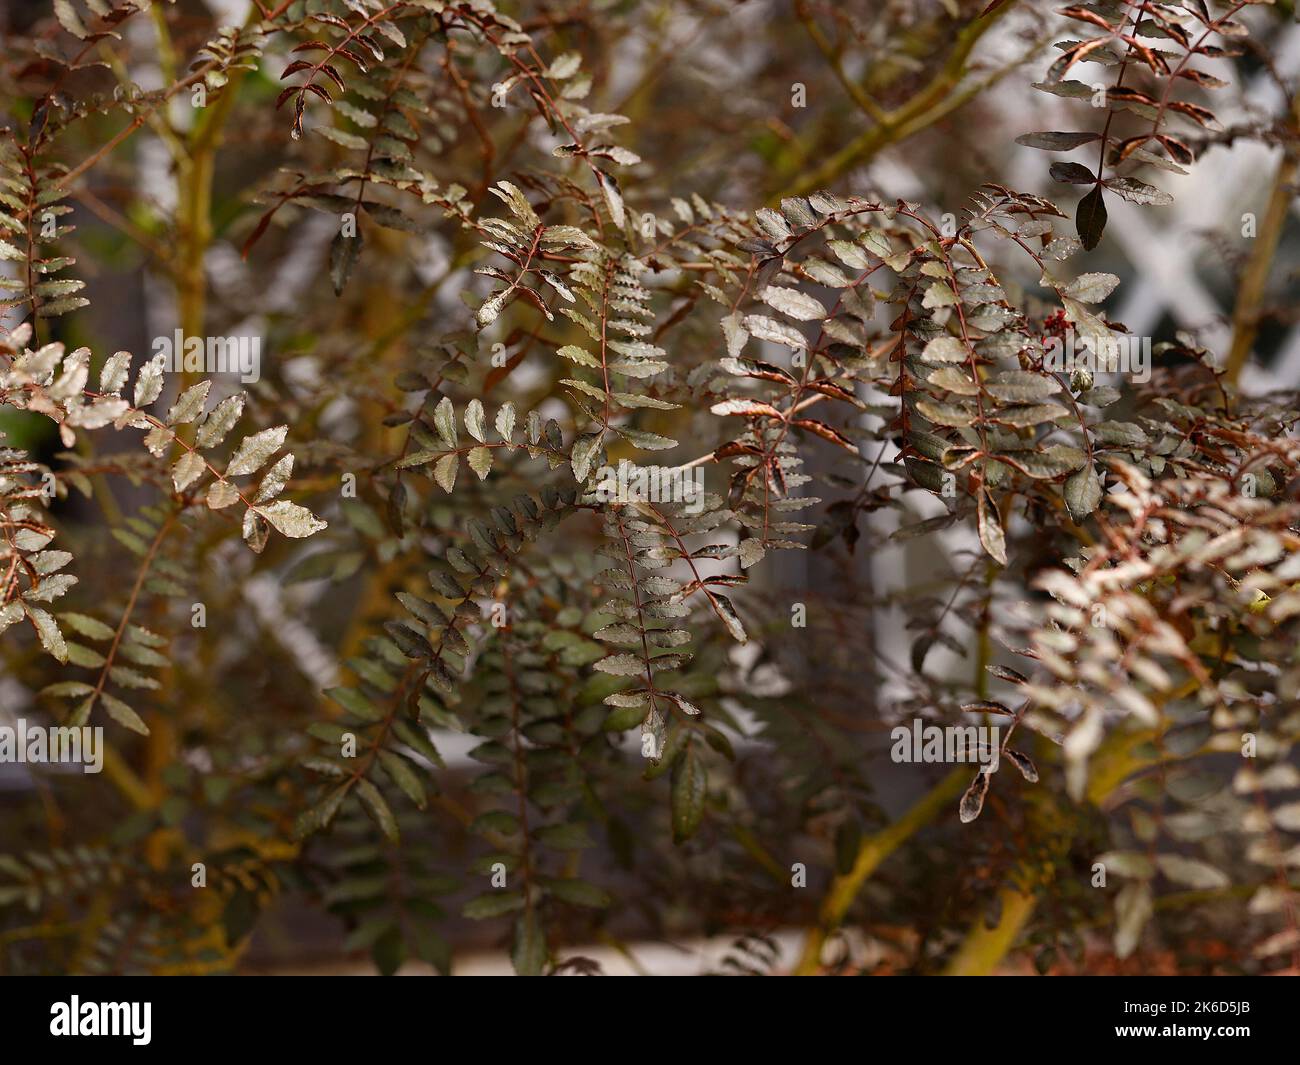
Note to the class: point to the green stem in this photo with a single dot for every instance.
(1254, 279)
(985, 947)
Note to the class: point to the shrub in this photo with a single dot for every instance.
(598, 525)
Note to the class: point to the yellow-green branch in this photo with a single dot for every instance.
(872, 851)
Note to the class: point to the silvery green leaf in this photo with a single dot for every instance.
(401, 773)
(850, 254)
(149, 381)
(684, 704)
(158, 438)
(1021, 386)
(221, 494)
(51, 588)
(85, 625)
(1083, 492)
(487, 314)
(474, 421)
(620, 155)
(1288, 816)
(1288, 939)
(123, 714)
(1072, 173)
(556, 282)
(947, 413)
(50, 561)
(797, 305)
(620, 632)
(48, 631)
(220, 420)
(1133, 908)
(505, 423)
(31, 539)
(493, 904)
(1124, 434)
(444, 471)
(113, 374)
(1191, 873)
(69, 19)
(10, 614)
(187, 470)
(877, 242)
(636, 349)
(990, 530)
(772, 223)
(255, 450)
(1051, 461)
(778, 332)
(751, 551)
(189, 405)
(621, 665)
(1056, 142)
(1131, 864)
(346, 246)
(73, 375)
(745, 408)
(517, 202)
(569, 236)
(98, 413)
(825, 274)
(1022, 762)
(1144, 156)
(646, 441)
(256, 530)
(727, 612)
(1092, 288)
(688, 791)
(939, 294)
(346, 140)
(275, 480)
(827, 202)
(1100, 396)
(972, 800)
(945, 349)
(1074, 90)
(735, 333)
(444, 421)
(480, 461)
(391, 31)
(613, 197)
(290, 519)
(955, 379)
(798, 212)
(377, 808)
(1030, 414)
(1139, 192)
(319, 816)
(584, 450)
(579, 355)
